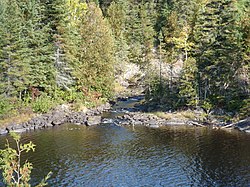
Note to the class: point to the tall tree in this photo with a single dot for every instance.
(13, 50)
(116, 15)
(94, 69)
(39, 48)
(217, 51)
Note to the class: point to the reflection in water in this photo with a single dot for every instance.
(139, 156)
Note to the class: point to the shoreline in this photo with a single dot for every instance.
(93, 116)
(58, 116)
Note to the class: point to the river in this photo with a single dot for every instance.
(111, 155)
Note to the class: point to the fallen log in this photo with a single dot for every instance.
(195, 123)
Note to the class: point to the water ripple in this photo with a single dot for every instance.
(140, 156)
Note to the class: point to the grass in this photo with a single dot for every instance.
(16, 119)
(179, 114)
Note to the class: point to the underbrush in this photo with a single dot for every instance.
(15, 110)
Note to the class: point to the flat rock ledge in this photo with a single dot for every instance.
(139, 118)
(61, 115)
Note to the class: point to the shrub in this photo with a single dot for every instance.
(10, 163)
(5, 105)
(43, 104)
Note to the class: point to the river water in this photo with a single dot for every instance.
(110, 155)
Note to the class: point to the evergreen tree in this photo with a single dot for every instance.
(58, 15)
(39, 49)
(140, 31)
(94, 70)
(116, 14)
(13, 50)
(217, 51)
(188, 84)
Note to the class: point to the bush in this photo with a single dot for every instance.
(43, 104)
(5, 105)
(10, 163)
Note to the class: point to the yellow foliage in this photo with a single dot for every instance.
(76, 10)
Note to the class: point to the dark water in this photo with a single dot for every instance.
(110, 155)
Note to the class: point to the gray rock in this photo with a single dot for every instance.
(247, 131)
(93, 120)
(175, 122)
(20, 130)
(152, 122)
(137, 123)
(154, 126)
(3, 131)
(50, 125)
(243, 125)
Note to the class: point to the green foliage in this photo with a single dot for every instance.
(5, 105)
(69, 96)
(245, 108)
(43, 104)
(93, 69)
(217, 48)
(213, 37)
(14, 173)
(66, 46)
(188, 84)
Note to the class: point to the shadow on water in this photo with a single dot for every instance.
(110, 155)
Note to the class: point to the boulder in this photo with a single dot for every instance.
(93, 120)
(76, 118)
(3, 131)
(154, 125)
(57, 118)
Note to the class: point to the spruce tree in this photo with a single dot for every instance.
(14, 72)
(188, 84)
(58, 16)
(116, 15)
(217, 51)
(39, 49)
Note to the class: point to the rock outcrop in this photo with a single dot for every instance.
(58, 116)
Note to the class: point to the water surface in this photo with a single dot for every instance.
(110, 155)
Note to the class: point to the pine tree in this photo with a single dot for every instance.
(39, 49)
(13, 50)
(217, 50)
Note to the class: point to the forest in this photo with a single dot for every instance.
(67, 51)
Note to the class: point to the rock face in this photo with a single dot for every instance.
(128, 72)
(243, 125)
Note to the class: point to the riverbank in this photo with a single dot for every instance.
(58, 116)
(127, 109)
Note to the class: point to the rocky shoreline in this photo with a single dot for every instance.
(60, 115)
(154, 121)
(133, 116)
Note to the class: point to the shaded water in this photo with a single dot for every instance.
(110, 155)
